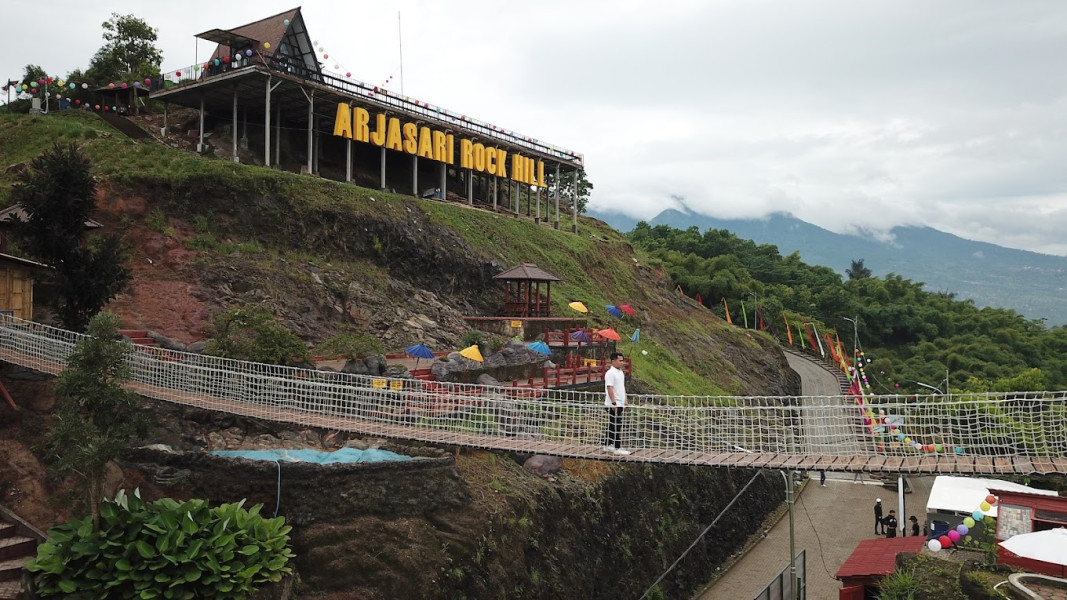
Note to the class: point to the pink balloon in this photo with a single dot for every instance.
(954, 535)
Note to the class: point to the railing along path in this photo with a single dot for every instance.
(970, 434)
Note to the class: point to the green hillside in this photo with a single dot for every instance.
(329, 258)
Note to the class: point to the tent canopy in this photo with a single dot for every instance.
(964, 494)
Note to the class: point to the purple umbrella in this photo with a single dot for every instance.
(580, 336)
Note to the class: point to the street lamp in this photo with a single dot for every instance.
(855, 336)
(936, 388)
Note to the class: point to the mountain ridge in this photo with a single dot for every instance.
(985, 273)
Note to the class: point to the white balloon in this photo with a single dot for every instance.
(934, 545)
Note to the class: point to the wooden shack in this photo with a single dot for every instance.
(16, 285)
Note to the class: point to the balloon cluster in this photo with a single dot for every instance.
(955, 535)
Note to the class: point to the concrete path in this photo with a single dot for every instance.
(828, 522)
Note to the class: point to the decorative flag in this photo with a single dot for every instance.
(744, 313)
(726, 308)
(800, 334)
(700, 300)
(788, 331)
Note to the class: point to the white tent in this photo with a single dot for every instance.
(1048, 546)
(962, 495)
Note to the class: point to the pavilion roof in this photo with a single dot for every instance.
(526, 272)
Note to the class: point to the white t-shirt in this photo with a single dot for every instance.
(616, 380)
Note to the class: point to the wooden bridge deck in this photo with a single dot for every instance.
(866, 463)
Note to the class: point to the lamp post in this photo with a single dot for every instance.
(755, 309)
(855, 336)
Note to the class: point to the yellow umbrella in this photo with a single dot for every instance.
(472, 353)
(578, 306)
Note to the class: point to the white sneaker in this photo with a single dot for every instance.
(621, 452)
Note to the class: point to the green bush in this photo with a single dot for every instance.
(163, 549)
(253, 334)
(351, 345)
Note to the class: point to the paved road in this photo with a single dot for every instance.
(830, 428)
(828, 521)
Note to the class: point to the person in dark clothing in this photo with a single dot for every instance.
(890, 523)
(878, 524)
(914, 526)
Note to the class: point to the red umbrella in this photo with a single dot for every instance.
(626, 308)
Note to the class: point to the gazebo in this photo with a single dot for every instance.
(522, 291)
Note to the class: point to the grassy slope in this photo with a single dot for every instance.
(311, 219)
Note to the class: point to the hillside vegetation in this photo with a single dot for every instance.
(328, 258)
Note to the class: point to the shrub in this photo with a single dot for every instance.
(253, 334)
(164, 549)
(351, 345)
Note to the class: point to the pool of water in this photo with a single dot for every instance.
(344, 455)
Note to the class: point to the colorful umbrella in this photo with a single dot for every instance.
(613, 311)
(540, 348)
(626, 308)
(610, 334)
(578, 306)
(636, 337)
(581, 336)
(472, 353)
(419, 351)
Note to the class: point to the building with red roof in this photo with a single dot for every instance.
(872, 560)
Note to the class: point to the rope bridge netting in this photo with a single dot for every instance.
(571, 423)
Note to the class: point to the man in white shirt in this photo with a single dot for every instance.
(614, 403)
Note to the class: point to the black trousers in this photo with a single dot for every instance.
(614, 426)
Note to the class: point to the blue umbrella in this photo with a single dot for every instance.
(613, 311)
(540, 348)
(419, 351)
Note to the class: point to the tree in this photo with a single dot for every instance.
(57, 192)
(566, 188)
(97, 417)
(130, 51)
(857, 270)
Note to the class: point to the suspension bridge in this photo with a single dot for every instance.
(970, 434)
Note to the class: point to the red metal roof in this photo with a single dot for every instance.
(878, 556)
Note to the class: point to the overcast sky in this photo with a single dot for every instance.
(845, 113)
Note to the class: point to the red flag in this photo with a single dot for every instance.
(700, 300)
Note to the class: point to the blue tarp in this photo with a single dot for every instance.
(344, 455)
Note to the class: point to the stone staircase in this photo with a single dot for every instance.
(18, 543)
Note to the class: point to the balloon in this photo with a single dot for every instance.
(77, 101)
(977, 515)
(266, 44)
(97, 107)
(349, 74)
(937, 447)
(984, 506)
(286, 22)
(177, 73)
(71, 86)
(33, 84)
(945, 541)
(969, 522)
(147, 81)
(216, 62)
(225, 59)
(137, 84)
(934, 545)
(962, 529)
(41, 81)
(953, 535)
(325, 56)
(111, 85)
(123, 85)
(48, 79)
(991, 499)
(248, 53)
(85, 86)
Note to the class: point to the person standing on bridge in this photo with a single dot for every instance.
(878, 522)
(614, 403)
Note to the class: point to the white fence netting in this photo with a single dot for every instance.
(1029, 424)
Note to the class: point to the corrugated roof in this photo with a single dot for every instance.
(15, 210)
(878, 556)
(527, 272)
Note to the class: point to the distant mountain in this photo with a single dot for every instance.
(1030, 283)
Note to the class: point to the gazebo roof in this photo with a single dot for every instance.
(526, 272)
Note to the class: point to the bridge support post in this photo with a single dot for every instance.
(790, 499)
